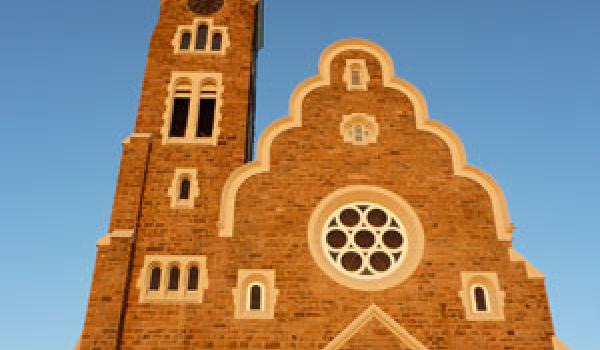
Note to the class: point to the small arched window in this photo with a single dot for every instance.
(201, 37)
(174, 278)
(193, 275)
(217, 41)
(255, 297)
(481, 299)
(155, 279)
(184, 189)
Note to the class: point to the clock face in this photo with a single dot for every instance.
(205, 7)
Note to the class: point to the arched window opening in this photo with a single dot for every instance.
(186, 40)
(480, 296)
(206, 109)
(181, 108)
(255, 297)
(201, 37)
(184, 189)
(174, 278)
(155, 279)
(358, 133)
(217, 41)
(193, 276)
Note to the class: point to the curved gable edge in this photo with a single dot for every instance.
(461, 168)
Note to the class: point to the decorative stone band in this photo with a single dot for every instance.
(558, 345)
(105, 241)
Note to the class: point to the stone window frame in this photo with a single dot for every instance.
(182, 294)
(362, 193)
(495, 297)
(358, 66)
(241, 294)
(197, 79)
(174, 191)
(367, 122)
(193, 30)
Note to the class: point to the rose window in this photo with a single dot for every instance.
(364, 240)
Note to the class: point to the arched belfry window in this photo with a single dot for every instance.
(207, 108)
(155, 279)
(174, 273)
(255, 297)
(193, 109)
(181, 108)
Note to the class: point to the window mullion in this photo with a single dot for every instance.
(190, 133)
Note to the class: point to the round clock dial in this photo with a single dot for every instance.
(205, 7)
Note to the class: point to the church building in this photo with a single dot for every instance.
(356, 224)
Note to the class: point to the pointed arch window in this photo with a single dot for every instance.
(186, 40)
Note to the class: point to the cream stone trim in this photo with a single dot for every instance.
(174, 191)
(374, 312)
(494, 296)
(532, 271)
(370, 129)
(503, 224)
(78, 344)
(414, 235)
(241, 297)
(360, 66)
(105, 241)
(197, 79)
(184, 263)
(193, 30)
(127, 140)
(558, 344)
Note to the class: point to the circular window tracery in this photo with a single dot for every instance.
(364, 240)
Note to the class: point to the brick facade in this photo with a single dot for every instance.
(271, 215)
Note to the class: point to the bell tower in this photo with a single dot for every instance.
(194, 126)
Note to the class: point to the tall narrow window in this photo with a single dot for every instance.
(181, 108)
(358, 133)
(217, 41)
(186, 39)
(155, 279)
(193, 278)
(201, 37)
(206, 109)
(255, 297)
(184, 189)
(174, 279)
(481, 304)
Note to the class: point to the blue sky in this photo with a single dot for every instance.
(517, 80)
